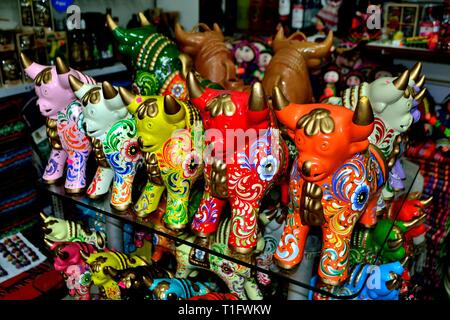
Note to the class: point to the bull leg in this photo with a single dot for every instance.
(252, 289)
(149, 200)
(101, 182)
(369, 217)
(121, 191)
(292, 243)
(76, 171)
(177, 213)
(55, 166)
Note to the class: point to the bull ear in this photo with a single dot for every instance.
(195, 88)
(110, 271)
(173, 110)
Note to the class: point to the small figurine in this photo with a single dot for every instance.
(211, 57)
(177, 289)
(160, 67)
(70, 263)
(292, 59)
(60, 230)
(166, 128)
(370, 282)
(103, 266)
(335, 181)
(242, 174)
(64, 122)
(114, 134)
(134, 283)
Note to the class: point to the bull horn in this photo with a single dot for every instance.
(171, 106)
(61, 67)
(415, 222)
(280, 35)
(404, 261)
(279, 101)
(147, 281)
(75, 83)
(195, 88)
(109, 91)
(421, 82)
(414, 195)
(43, 215)
(180, 34)
(111, 23)
(406, 93)
(143, 19)
(84, 255)
(320, 50)
(126, 95)
(415, 71)
(421, 95)
(26, 62)
(395, 244)
(257, 101)
(217, 28)
(426, 202)
(363, 114)
(401, 83)
(186, 63)
(48, 242)
(110, 271)
(62, 254)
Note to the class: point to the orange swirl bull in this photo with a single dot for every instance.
(335, 181)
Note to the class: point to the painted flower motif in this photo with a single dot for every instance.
(177, 90)
(267, 168)
(85, 278)
(73, 276)
(190, 164)
(130, 150)
(226, 269)
(360, 197)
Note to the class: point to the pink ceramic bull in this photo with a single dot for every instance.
(59, 105)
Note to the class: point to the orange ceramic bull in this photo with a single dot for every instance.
(335, 180)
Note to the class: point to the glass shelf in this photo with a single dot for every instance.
(103, 206)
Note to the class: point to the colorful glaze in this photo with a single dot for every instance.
(167, 130)
(216, 296)
(134, 283)
(177, 289)
(103, 266)
(70, 263)
(60, 230)
(335, 181)
(114, 130)
(381, 282)
(156, 59)
(212, 59)
(293, 57)
(64, 122)
(237, 277)
(235, 169)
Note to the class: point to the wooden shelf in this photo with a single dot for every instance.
(409, 53)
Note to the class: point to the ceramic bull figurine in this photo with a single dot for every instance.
(100, 264)
(177, 289)
(395, 101)
(290, 65)
(114, 135)
(240, 174)
(212, 59)
(166, 128)
(372, 282)
(159, 65)
(134, 283)
(64, 122)
(60, 230)
(335, 181)
(237, 277)
(70, 263)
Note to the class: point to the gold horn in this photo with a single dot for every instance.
(279, 101)
(111, 23)
(195, 88)
(48, 242)
(84, 255)
(415, 71)
(109, 91)
(401, 83)
(257, 101)
(43, 215)
(61, 67)
(26, 62)
(171, 106)
(421, 95)
(143, 19)
(426, 202)
(126, 95)
(421, 82)
(75, 84)
(363, 114)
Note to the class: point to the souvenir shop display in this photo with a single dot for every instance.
(283, 162)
